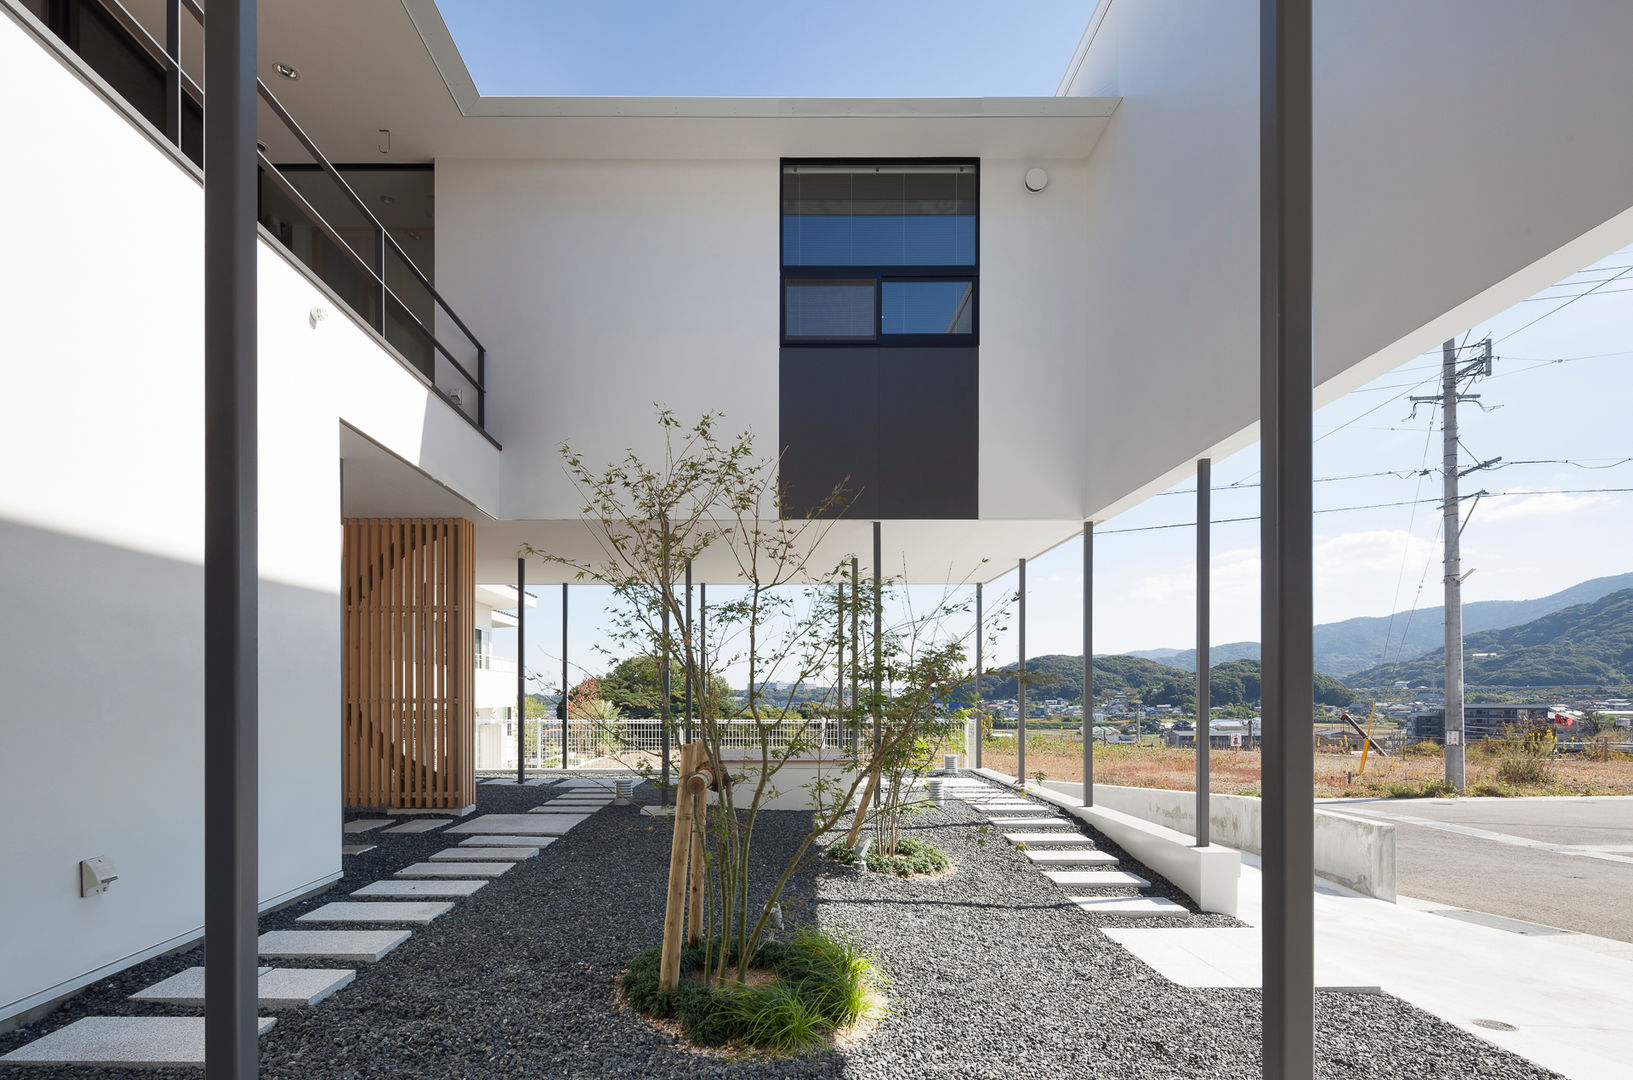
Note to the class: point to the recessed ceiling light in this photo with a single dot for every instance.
(388, 199)
(286, 71)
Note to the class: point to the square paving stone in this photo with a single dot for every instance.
(1129, 906)
(277, 988)
(344, 911)
(1031, 822)
(350, 946)
(364, 825)
(493, 854)
(112, 1042)
(1086, 857)
(447, 890)
(455, 870)
(1034, 839)
(423, 825)
(538, 781)
(501, 840)
(520, 824)
(355, 849)
(1102, 878)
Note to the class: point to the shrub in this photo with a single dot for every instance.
(911, 857)
(821, 985)
(842, 852)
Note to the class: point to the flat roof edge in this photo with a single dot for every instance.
(753, 108)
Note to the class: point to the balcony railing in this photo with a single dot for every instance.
(380, 283)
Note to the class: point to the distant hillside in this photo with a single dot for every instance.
(1235, 682)
(1344, 648)
(1584, 645)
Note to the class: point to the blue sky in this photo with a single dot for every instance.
(705, 48)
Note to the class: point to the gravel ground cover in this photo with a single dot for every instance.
(995, 974)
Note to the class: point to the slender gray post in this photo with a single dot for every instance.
(856, 654)
(231, 675)
(688, 669)
(563, 676)
(702, 657)
(980, 630)
(1453, 531)
(878, 633)
(521, 679)
(1286, 531)
(839, 662)
(1088, 663)
(663, 688)
(1020, 683)
(172, 72)
(1204, 699)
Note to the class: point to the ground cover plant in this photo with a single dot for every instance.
(912, 858)
(798, 993)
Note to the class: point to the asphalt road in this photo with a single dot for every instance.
(1562, 862)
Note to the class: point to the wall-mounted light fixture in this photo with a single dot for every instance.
(1036, 180)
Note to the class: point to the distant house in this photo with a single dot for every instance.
(1490, 722)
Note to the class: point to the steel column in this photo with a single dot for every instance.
(521, 680)
(689, 650)
(663, 688)
(1204, 699)
(1286, 529)
(563, 676)
(1088, 663)
(980, 629)
(856, 655)
(878, 633)
(1020, 683)
(231, 680)
(839, 662)
(172, 72)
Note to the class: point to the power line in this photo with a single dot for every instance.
(1566, 304)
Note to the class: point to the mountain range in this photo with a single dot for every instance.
(1343, 649)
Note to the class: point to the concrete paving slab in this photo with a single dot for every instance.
(519, 824)
(1130, 906)
(1087, 857)
(501, 840)
(364, 825)
(493, 854)
(552, 810)
(345, 911)
(349, 946)
(1034, 839)
(453, 890)
(538, 781)
(112, 1042)
(455, 870)
(1216, 956)
(277, 988)
(1095, 878)
(1032, 822)
(355, 849)
(423, 825)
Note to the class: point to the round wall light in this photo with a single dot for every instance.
(1036, 180)
(287, 72)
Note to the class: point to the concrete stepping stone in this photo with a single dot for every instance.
(1086, 857)
(112, 1042)
(276, 988)
(539, 781)
(519, 824)
(455, 870)
(364, 825)
(1031, 822)
(355, 849)
(493, 854)
(349, 946)
(1097, 878)
(1033, 839)
(454, 890)
(423, 825)
(501, 840)
(344, 911)
(1129, 906)
(580, 809)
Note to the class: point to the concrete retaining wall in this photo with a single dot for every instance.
(1354, 852)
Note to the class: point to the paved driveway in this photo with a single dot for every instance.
(1564, 862)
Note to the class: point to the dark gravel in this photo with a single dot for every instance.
(994, 975)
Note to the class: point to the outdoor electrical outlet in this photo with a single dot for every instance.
(95, 875)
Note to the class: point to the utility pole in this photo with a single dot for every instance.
(1452, 528)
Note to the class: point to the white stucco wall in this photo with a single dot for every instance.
(101, 537)
(607, 286)
(1467, 154)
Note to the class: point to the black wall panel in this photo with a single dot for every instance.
(829, 418)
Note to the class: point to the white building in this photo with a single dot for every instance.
(590, 256)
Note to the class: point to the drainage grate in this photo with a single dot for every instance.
(1494, 1025)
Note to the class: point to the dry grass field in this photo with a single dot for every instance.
(1412, 774)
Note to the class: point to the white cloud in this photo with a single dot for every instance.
(1375, 551)
(1549, 504)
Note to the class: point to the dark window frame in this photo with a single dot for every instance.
(970, 272)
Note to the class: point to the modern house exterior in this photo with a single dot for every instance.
(972, 307)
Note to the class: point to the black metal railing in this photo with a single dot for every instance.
(395, 321)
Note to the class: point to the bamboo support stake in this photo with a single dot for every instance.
(862, 809)
(675, 906)
(696, 790)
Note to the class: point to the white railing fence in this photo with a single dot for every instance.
(627, 742)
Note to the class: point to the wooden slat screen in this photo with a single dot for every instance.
(410, 643)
